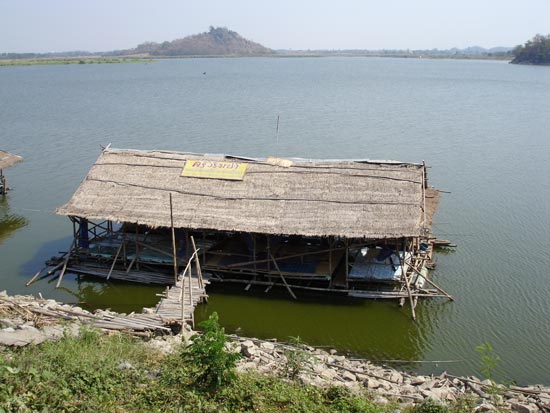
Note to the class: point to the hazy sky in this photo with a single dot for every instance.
(101, 25)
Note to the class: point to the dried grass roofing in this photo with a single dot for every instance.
(352, 199)
(8, 159)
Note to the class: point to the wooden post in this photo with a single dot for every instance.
(197, 263)
(346, 244)
(268, 249)
(137, 246)
(330, 255)
(203, 248)
(173, 242)
(254, 251)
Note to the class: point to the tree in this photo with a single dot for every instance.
(535, 51)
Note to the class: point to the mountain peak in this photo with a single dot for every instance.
(218, 41)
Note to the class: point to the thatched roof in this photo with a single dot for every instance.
(8, 159)
(352, 199)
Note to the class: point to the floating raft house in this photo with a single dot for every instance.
(355, 227)
(6, 160)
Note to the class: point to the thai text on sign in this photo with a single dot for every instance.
(214, 170)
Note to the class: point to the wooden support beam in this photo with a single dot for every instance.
(449, 296)
(283, 278)
(286, 257)
(114, 261)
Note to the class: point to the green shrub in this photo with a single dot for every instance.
(489, 361)
(210, 364)
(296, 358)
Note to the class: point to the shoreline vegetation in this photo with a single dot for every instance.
(126, 59)
(41, 61)
(53, 358)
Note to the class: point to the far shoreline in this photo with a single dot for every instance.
(150, 59)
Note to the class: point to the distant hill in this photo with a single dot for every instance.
(218, 41)
(534, 52)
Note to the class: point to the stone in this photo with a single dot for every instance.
(407, 389)
(53, 332)
(125, 366)
(417, 380)
(348, 376)
(353, 386)
(428, 384)
(248, 348)
(21, 337)
(396, 378)
(430, 394)
(485, 407)
(524, 408)
(361, 377)
(327, 374)
(332, 351)
(372, 383)
(380, 400)
(267, 346)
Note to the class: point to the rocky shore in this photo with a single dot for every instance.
(26, 320)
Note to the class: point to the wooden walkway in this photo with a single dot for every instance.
(170, 309)
(167, 313)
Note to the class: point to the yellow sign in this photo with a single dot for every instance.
(212, 169)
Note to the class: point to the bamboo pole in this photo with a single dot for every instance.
(190, 294)
(450, 297)
(197, 263)
(286, 257)
(114, 261)
(407, 281)
(68, 256)
(283, 278)
(35, 276)
(173, 241)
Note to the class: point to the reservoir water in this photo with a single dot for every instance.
(483, 127)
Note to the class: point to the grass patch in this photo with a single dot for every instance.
(98, 373)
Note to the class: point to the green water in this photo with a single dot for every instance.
(483, 128)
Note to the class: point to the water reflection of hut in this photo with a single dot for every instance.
(353, 227)
(6, 160)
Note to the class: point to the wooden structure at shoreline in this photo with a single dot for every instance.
(358, 228)
(6, 160)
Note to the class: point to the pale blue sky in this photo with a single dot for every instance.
(101, 25)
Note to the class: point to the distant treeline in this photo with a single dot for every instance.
(535, 51)
(473, 52)
(55, 55)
